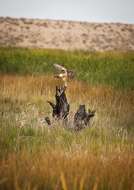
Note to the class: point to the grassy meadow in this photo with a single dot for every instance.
(107, 68)
(34, 156)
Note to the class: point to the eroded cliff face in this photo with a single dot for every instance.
(68, 35)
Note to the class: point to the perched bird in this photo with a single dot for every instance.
(63, 73)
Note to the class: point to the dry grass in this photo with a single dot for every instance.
(110, 104)
(97, 158)
(67, 35)
(67, 170)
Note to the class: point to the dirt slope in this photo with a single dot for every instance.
(66, 34)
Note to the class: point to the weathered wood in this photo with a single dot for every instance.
(82, 118)
(61, 108)
(48, 121)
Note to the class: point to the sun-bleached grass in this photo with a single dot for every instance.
(33, 156)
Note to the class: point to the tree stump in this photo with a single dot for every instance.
(61, 110)
(82, 118)
(62, 107)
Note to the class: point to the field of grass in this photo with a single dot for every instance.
(110, 68)
(33, 156)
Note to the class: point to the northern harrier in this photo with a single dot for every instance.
(63, 73)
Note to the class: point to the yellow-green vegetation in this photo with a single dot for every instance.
(34, 156)
(111, 68)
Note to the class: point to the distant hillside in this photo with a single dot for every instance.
(66, 34)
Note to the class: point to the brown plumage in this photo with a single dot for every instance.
(63, 73)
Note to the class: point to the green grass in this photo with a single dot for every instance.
(110, 68)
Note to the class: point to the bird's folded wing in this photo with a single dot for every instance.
(60, 68)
